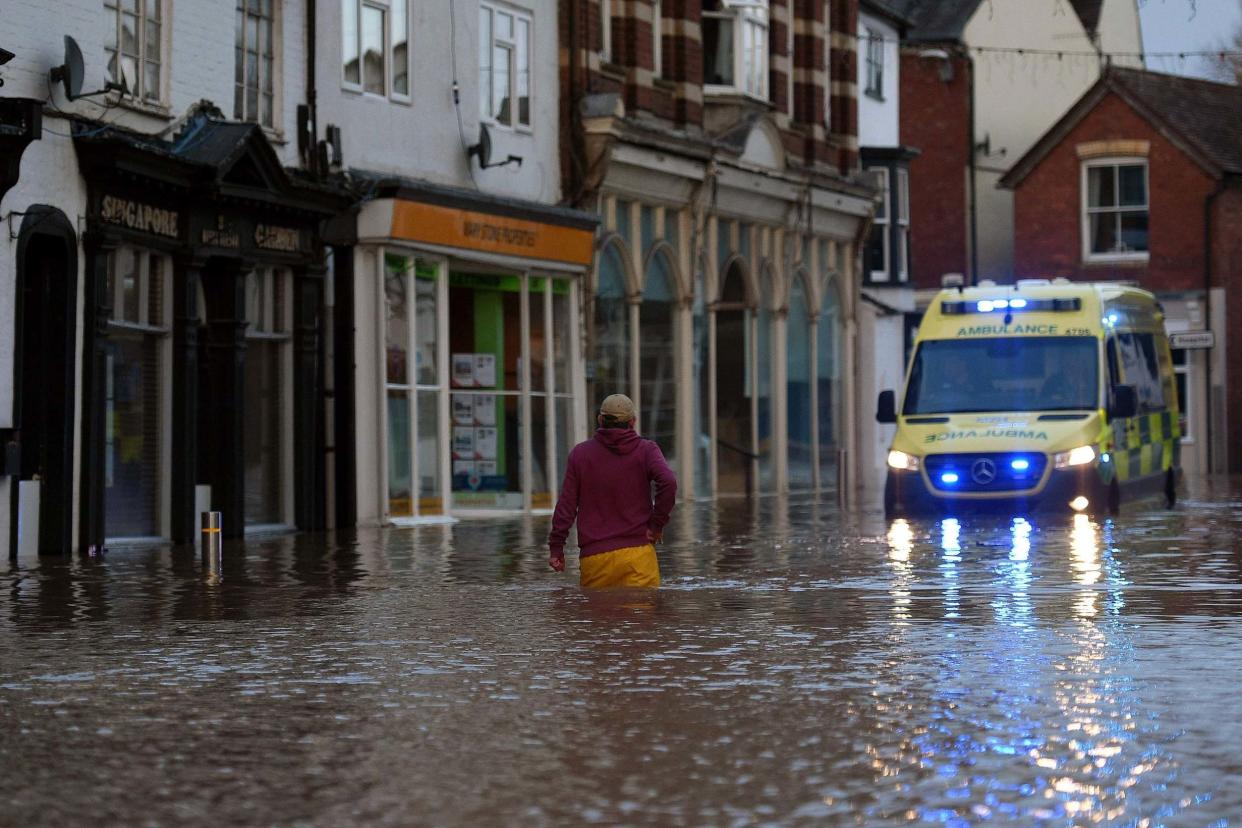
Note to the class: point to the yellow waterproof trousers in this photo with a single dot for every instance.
(630, 566)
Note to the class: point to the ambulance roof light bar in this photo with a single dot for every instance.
(1017, 303)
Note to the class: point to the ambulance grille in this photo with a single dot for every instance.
(985, 471)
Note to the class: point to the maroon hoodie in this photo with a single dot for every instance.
(608, 489)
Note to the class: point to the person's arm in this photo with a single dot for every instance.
(665, 481)
(564, 516)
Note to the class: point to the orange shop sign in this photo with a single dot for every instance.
(450, 227)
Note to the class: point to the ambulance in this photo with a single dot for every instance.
(1042, 395)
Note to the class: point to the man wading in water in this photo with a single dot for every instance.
(607, 489)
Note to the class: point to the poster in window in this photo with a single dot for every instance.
(463, 371)
(486, 468)
(463, 443)
(485, 410)
(464, 468)
(485, 443)
(463, 410)
(485, 370)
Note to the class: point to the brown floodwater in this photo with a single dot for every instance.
(800, 665)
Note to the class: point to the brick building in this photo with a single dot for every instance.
(1142, 181)
(718, 142)
(980, 82)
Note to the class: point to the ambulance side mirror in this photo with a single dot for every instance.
(886, 407)
(1125, 402)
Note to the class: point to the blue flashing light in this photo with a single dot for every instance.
(1021, 464)
(949, 478)
(1017, 304)
(1000, 303)
(985, 306)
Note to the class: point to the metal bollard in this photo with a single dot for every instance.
(211, 525)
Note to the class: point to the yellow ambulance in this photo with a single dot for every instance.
(1038, 395)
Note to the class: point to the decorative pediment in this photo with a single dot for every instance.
(763, 147)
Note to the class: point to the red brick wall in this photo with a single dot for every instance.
(1227, 272)
(1047, 208)
(935, 118)
(669, 97)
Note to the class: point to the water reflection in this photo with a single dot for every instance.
(801, 665)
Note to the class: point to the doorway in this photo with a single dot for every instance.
(734, 388)
(45, 372)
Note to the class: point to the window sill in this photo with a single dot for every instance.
(874, 95)
(155, 110)
(1122, 260)
(731, 94)
(613, 71)
(663, 84)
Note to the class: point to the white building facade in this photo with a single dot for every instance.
(463, 287)
(158, 244)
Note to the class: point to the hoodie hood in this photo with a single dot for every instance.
(619, 440)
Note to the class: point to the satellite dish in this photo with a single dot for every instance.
(483, 149)
(73, 70)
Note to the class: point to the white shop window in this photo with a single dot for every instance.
(136, 394)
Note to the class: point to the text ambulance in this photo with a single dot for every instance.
(1038, 395)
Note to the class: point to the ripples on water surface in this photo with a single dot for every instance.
(799, 666)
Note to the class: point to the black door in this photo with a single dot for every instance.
(44, 388)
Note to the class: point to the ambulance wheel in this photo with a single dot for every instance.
(1170, 489)
(890, 499)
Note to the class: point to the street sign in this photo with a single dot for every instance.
(1192, 339)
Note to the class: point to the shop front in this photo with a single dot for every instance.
(202, 355)
(466, 307)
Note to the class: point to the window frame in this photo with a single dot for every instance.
(276, 74)
(605, 30)
(657, 39)
(276, 327)
(160, 333)
(885, 222)
(757, 14)
(1086, 210)
(874, 64)
(137, 95)
(828, 65)
(387, 7)
(901, 222)
(486, 115)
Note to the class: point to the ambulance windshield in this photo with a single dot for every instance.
(1045, 373)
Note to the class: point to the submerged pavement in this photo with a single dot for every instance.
(800, 665)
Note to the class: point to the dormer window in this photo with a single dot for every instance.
(735, 47)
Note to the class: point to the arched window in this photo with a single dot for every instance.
(611, 340)
(798, 386)
(828, 378)
(763, 378)
(657, 347)
(701, 393)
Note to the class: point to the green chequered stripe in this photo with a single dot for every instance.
(1148, 444)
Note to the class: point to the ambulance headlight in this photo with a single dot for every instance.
(1080, 456)
(902, 462)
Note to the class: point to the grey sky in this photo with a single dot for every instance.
(1187, 25)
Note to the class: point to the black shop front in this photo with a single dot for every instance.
(203, 347)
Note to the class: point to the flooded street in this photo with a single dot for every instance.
(800, 665)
